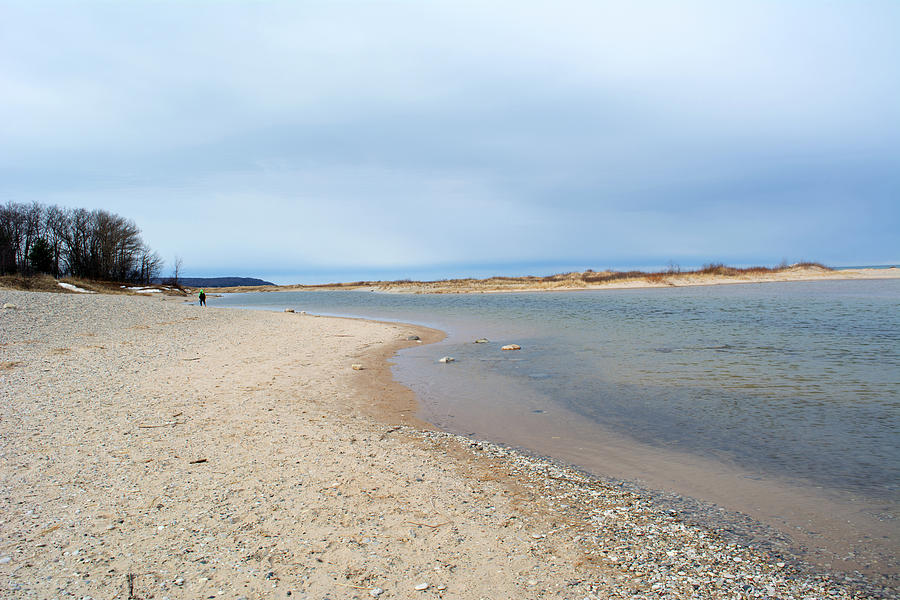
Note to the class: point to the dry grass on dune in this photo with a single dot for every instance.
(710, 273)
(590, 278)
(47, 283)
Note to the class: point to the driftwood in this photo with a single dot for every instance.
(355, 587)
(50, 529)
(388, 432)
(198, 461)
(168, 424)
(427, 525)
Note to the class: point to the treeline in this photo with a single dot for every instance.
(94, 244)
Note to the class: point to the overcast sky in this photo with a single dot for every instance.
(309, 141)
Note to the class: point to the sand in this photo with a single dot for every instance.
(152, 449)
(588, 280)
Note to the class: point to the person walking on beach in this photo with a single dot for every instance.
(202, 298)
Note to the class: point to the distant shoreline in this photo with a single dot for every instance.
(593, 280)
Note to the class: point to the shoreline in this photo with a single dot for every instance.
(259, 472)
(575, 282)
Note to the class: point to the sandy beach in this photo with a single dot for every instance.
(154, 449)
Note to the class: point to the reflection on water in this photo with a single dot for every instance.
(798, 380)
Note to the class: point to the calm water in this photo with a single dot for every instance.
(794, 380)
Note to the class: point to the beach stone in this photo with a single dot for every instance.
(511, 347)
(10, 306)
(421, 587)
(289, 310)
(447, 359)
(482, 341)
(412, 338)
(356, 367)
(375, 592)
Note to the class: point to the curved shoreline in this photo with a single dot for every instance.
(728, 504)
(208, 452)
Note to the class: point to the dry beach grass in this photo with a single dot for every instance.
(714, 274)
(153, 449)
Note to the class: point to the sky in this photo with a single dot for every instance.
(345, 140)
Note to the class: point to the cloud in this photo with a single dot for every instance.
(407, 134)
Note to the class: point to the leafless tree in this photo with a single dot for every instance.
(91, 244)
(176, 271)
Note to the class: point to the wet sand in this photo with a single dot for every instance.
(834, 530)
(153, 449)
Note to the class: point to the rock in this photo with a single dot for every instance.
(511, 347)
(447, 359)
(412, 338)
(179, 581)
(375, 592)
(356, 367)
(482, 341)
(10, 306)
(421, 587)
(289, 310)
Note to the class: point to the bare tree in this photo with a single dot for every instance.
(150, 266)
(92, 244)
(176, 271)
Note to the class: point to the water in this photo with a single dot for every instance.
(798, 380)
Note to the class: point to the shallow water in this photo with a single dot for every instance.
(794, 383)
(794, 379)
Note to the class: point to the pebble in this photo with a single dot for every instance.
(375, 592)
(356, 367)
(447, 359)
(10, 306)
(511, 347)
(421, 587)
(4, 560)
(482, 341)
(290, 310)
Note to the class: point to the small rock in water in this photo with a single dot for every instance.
(421, 587)
(356, 367)
(411, 338)
(481, 341)
(447, 359)
(10, 305)
(289, 310)
(511, 347)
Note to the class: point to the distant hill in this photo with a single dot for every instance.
(218, 281)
